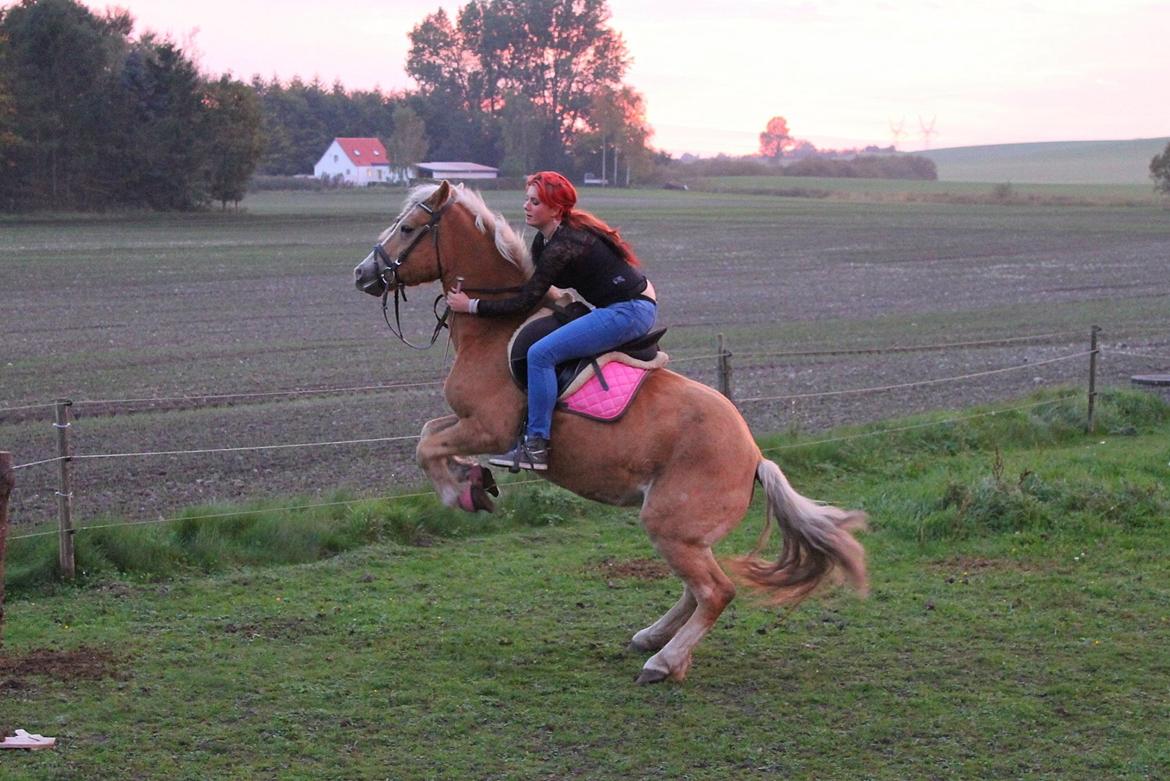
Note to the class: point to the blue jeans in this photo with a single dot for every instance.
(602, 329)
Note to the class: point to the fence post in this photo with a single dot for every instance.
(1093, 351)
(7, 481)
(65, 559)
(724, 369)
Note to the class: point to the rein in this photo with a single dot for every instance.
(390, 267)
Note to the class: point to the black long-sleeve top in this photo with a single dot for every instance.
(576, 258)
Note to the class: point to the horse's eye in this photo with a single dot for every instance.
(407, 230)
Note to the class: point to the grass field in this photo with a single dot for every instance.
(942, 191)
(1016, 629)
(1061, 162)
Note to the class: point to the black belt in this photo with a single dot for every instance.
(641, 297)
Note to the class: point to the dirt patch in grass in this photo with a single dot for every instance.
(19, 671)
(978, 565)
(634, 569)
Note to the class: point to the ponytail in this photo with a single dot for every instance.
(584, 220)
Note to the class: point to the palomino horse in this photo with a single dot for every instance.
(682, 451)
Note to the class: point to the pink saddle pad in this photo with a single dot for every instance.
(594, 401)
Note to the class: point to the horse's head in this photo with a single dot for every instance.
(413, 237)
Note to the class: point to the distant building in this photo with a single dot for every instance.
(455, 171)
(358, 161)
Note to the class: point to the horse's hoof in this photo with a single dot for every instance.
(650, 675)
(480, 500)
(479, 475)
(488, 482)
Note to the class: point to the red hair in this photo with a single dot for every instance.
(556, 191)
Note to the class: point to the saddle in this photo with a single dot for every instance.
(599, 386)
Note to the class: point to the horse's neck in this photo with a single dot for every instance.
(482, 342)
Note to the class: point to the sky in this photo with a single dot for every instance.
(844, 73)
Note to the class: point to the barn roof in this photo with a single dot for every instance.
(364, 151)
(450, 167)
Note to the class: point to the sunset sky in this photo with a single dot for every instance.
(844, 73)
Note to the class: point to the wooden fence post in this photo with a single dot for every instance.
(723, 367)
(1093, 351)
(65, 559)
(7, 481)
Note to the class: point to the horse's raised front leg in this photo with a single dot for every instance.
(658, 634)
(442, 453)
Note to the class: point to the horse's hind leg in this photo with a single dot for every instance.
(658, 634)
(711, 590)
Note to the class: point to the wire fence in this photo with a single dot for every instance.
(722, 364)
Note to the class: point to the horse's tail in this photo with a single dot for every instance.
(817, 543)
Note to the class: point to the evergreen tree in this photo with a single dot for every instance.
(10, 141)
(163, 146)
(61, 62)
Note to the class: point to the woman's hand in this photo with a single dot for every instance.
(458, 301)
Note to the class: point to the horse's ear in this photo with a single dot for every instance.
(440, 196)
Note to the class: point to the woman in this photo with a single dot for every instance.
(572, 248)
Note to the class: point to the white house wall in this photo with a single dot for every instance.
(335, 162)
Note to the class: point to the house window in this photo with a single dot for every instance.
(335, 158)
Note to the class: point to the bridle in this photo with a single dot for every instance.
(389, 266)
(387, 269)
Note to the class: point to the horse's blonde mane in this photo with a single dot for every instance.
(508, 243)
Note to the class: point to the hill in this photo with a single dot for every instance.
(1055, 162)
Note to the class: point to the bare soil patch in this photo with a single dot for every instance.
(174, 313)
(634, 569)
(967, 566)
(21, 671)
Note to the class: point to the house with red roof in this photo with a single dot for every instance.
(358, 161)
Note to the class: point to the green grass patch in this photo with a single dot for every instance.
(1009, 468)
(220, 538)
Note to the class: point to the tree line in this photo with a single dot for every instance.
(91, 117)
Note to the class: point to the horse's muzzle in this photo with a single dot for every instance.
(367, 277)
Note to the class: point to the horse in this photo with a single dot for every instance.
(682, 452)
